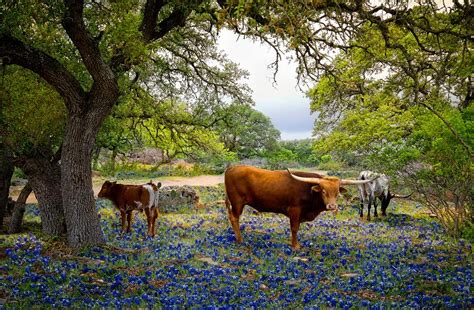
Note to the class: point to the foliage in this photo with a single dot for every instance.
(444, 179)
(281, 158)
(32, 113)
(129, 170)
(331, 165)
(246, 131)
(406, 110)
(177, 129)
(303, 150)
(403, 261)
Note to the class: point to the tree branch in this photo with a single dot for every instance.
(152, 30)
(13, 51)
(150, 16)
(101, 73)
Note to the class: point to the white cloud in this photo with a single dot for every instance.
(284, 103)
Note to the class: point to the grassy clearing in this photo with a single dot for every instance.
(404, 260)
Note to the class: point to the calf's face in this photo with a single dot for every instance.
(106, 189)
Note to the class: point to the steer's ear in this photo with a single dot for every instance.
(158, 185)
(316, 188)
(342, 190)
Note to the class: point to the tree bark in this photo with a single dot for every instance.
(19, 210)
(44, 177)
(82, 219)
(113, 159)
(6, 173)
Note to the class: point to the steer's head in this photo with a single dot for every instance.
(329, 188)
(106, 189)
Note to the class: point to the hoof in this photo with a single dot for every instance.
(296, 247)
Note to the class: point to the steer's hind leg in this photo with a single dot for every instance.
(235, 210)
(375, 207)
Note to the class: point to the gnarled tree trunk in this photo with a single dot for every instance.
(6, 172)
(44, 177)
(78, 197)
(19, 210)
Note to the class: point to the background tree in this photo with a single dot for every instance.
(246, 131)
(303, 149)
(33, 116)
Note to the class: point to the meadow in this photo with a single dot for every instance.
(402, 261)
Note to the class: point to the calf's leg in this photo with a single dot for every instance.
(155, 214)
(129, 220)
(148, 213)
(123, 217)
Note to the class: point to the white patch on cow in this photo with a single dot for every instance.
(138, 205)
(153, 202)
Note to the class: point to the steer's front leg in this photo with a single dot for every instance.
(295, 226)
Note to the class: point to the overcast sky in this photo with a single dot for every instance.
(284, 103)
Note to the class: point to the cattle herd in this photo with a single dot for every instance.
(301, 196)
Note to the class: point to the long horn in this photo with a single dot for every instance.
(401, 196)
(306, 180)
(356, 182)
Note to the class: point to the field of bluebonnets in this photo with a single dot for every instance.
(404, 260)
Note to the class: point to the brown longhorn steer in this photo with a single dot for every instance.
(133, 197)
(301, 196)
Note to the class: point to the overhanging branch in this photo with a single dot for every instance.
(13, 51)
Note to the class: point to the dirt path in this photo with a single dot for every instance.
(202, 180)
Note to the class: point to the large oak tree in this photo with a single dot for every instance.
(86, 51)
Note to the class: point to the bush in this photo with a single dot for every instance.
(181, 168)
(330, 165)
(468, 233)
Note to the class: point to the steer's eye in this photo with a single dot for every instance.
(324, 191)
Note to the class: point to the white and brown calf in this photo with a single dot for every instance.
(133, 197)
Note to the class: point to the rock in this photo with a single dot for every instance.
(349, 275)
(208, 260)
(177, 195)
